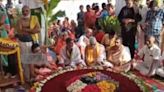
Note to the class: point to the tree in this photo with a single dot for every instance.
(50, 6)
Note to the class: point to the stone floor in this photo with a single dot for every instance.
(12, 85)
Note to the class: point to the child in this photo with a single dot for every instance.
(40, 71)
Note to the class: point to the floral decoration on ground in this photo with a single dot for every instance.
(37, 87)
(92, 82)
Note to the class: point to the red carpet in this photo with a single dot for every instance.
(57, 84)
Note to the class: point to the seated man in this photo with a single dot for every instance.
(119, 56)
(84, 41)
(70, 54)
(94, 53)
(151, 55)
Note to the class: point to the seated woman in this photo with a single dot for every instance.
(60, 42)
(41, 69)
(119, 56)
(94, 53)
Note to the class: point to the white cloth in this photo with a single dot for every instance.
(149, 56)
(75, 56)
(25, 48)
(160, 70)
(102, 55)
(162, 57)
(119, 4)
(19, 8)
(82, 42)
(33, 4)
(125, 56)
(43, 30)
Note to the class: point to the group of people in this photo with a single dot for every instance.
(87, 44)
(138, 46)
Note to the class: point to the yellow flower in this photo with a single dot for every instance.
(92, 74)
(106, 86)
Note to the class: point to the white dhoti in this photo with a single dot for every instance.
(144, 68)
(25, 49)
(160, 72)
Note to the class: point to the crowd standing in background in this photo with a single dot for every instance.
(87, 43)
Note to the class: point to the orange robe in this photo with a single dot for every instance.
(91, 54)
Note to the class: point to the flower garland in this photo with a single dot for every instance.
(137, 80)
(38, 85)
(8, 43)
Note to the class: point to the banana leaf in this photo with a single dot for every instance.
(58, 14)
(110, 23)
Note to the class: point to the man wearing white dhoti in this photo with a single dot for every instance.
(70, 54)
(37, 9)
(151, 55)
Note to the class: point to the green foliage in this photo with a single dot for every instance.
(54, 17)
(110, 23)
(51, 5)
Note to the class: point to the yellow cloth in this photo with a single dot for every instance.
(108, 42)
(33, 22)
(91, 54)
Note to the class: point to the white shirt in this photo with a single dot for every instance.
(82, 42)
(150, 54)
(75, 56)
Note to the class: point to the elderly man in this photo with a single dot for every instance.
(28, 29)
(28, 26)
(119, 56)
(151, 55)
(84, 41)
(94, 53)
(70, 54)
